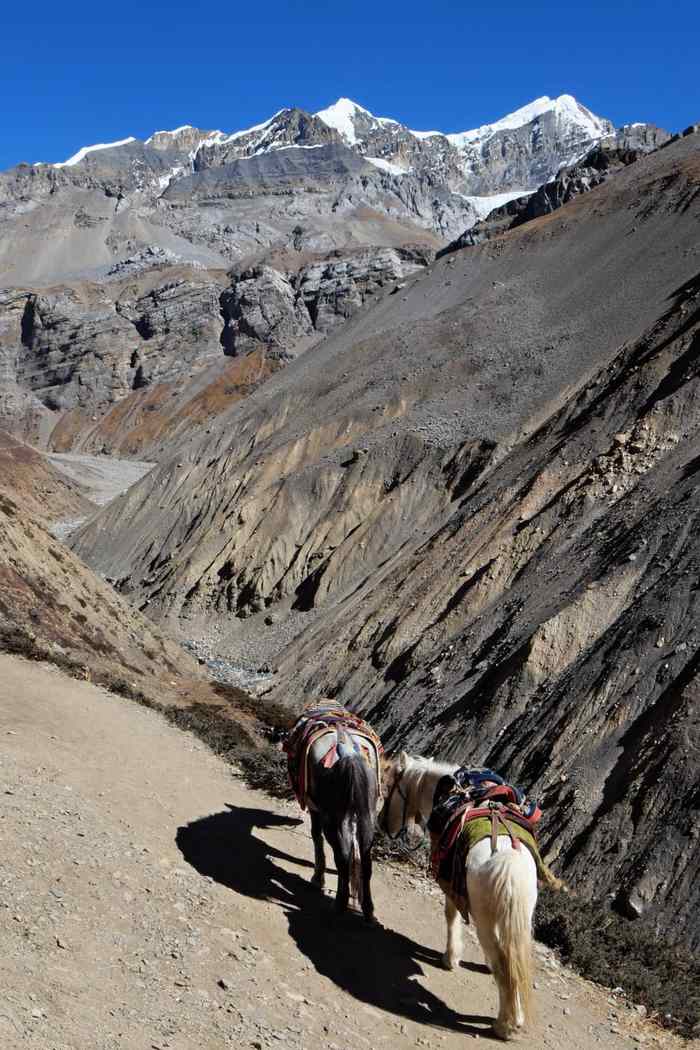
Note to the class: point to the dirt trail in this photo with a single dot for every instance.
(148, 899)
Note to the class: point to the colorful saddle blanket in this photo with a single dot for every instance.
(326, 720)
(471, 805)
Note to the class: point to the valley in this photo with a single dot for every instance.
(329, 407)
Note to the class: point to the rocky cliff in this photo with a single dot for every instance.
(74, 355)
(75, 350)
(471, 509)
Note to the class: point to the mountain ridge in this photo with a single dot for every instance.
(341, 116)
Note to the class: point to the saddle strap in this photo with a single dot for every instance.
(496, 818)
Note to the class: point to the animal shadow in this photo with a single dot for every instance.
(378, 966)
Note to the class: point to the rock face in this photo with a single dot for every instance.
(472, 510)
(262, 307)
(285, 312)
(69, 355)
(74, 352)
(84, 347)
(332, 290)
(597, 166)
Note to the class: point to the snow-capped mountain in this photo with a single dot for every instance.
(513, 154)
(521, 149)
(299, 181)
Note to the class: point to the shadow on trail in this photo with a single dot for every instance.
(377, 966)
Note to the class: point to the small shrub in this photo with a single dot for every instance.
(624, 953)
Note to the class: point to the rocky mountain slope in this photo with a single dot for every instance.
(602, 162)
(477, 498)
(606, 159)
(139, 264)
(27, 475)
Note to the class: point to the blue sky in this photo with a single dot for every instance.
(76, 73)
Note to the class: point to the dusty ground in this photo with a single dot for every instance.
(150, 900)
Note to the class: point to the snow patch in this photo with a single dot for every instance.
(172, 131)
(427, 134)
(483, 206)
(83, 152)
(174, 173)
(389, 166)
(294, 145)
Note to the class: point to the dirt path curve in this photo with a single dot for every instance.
(149, 900)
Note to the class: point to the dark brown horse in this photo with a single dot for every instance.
(338, 756)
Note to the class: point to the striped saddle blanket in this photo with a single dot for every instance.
(469, 806)
(320, 721)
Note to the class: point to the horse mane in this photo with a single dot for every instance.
(417, 765)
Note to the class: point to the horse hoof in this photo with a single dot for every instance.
(449, 963)
(371, 920)
(503, 1031)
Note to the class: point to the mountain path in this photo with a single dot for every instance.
(149, 899)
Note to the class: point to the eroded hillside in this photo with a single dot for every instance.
(53, 607)
(484, 491)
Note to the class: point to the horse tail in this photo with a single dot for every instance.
(511, 874)
(354, 796)
(355, 865)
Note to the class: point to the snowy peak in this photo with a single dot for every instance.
(85, 150)
(348, 117)
(342, 116)
(532, 144)
(566, 109)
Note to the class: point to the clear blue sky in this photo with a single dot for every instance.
(77, 72)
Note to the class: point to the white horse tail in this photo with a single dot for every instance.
(510, 871)
(355, 867)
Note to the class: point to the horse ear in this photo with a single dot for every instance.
(403, 760)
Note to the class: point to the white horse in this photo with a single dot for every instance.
(501, 889)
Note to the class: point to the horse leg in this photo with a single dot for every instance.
(319, 875)
(504, 1025)
(341, 841)
(453, 952)
(365, 835)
